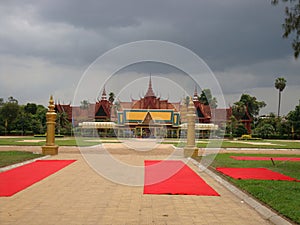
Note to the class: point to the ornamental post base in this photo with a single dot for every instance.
(50, 150)
(190, 151)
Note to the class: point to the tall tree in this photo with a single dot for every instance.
(41, 115)
(9, 112)
(291, 23)
(111, 97)
(84, 104)
(22, 119)
(238, 109)
(30, 108)
(280, 84)
(117, 105)
(294, 119)
(62, 123)
(206, 98)
(248, 103)
(265, 130)
(11, 99)
(187, 101)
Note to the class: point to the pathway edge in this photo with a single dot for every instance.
(22, 163)
(265, 212)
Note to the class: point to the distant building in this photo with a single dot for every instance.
(148, 116)
(218, 116)
(99, 111)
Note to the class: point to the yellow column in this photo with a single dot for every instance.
(190, 150)
(50, 148)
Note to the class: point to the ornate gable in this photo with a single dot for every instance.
(102, 110)
(148, 119)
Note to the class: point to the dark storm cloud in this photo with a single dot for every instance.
(239, 40)
(225, 33)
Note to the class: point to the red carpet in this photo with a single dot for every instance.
(254, 173)
(17, 179)
(174, 177)
(292, 159)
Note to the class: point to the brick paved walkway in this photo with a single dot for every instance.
(79, 195)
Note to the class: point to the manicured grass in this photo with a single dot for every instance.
(275, 144)
(11, 157)
(18, 141)
(267, 144)
(283, 196)
(70, 141)
(90, 141)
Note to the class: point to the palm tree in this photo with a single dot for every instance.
(62, 121)
(280, 84)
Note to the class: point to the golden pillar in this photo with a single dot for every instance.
(190, 150)
(50, 148)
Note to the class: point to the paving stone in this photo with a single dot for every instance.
(79, 195)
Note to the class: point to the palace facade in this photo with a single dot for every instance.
(149, 116)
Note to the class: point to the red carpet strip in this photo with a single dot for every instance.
(174, 178)
(292, 159)
(254, 174)
(17, 179)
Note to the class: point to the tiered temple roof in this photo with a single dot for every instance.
(150, 101)
(138, 110)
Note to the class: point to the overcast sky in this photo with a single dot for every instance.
(46, 46)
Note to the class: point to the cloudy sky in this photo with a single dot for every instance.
(46, 46)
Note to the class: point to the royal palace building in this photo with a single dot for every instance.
(149, 116)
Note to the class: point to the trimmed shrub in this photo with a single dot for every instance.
(246, 137)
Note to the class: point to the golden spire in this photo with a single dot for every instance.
(150, 92)
(51, 104)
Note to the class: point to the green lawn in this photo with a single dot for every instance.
(11, 157)
(267, 144)
(283, 196)
(40, 141)
(19, 141)
(89, 141)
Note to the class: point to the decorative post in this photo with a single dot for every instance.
(50, 148)
(183, 112)
(190, 150)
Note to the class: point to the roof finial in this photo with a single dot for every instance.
(195, 98)
(104, 97)
(150, 92)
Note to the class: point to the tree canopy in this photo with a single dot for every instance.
(22, 119)
(294, 119)
(280, 84)
(84, 104)
(31, 108)
(291, 23)
(206, 98)
(249, 103)
(111, 98)
(9, 112)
